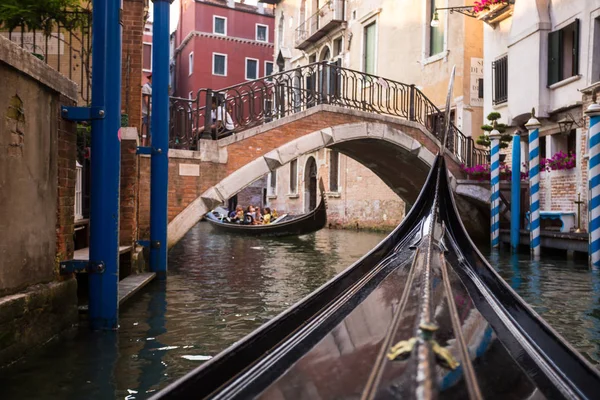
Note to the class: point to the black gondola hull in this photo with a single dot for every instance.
(301, 225)
(338, 342)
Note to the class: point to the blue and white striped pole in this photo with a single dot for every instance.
(593, 112)
(495, 187)
(515, 194)
(533, 126)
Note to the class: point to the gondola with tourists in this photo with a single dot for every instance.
(284, 225)
(421, 316)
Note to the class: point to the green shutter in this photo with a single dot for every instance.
(554, 57)
(575, 46)
(370, 48)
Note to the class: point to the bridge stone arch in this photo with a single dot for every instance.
(400, 152)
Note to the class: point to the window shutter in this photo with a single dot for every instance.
(575, 46)
(554, 63)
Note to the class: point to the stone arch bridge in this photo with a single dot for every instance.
(385, 125)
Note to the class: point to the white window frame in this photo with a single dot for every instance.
(246, 68)
(144, 69)
(370, 19)
(272, 69)
(215, 23)
(213, 63)
(425, 57)
(190, 63)
(266, 35)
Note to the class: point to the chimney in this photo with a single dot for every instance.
(261, 8)
(231, 3)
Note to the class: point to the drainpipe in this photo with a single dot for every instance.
(515, 193)
(159, 161)
(495, 187)
(593, 112)
(533, 125)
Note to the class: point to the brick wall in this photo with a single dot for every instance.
(129, 190)
(182, 189)
(185, 189)
(67, 175)
(133, 33)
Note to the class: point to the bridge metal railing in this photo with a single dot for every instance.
(218, 113)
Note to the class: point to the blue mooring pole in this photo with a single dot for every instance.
(159, 163)
(105, 164)
(593, 112)
(515, 193)
(533, 125)
(495, 187)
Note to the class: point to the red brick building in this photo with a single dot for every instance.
(220, 43)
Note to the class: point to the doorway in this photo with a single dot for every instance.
(310, 184)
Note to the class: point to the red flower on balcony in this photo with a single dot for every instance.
(483, 5)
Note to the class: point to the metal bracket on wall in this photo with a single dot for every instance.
(70, 266)
(82, 113)
(148, 150)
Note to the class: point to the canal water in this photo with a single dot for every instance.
(221, 287)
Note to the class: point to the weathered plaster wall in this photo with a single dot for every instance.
(37, 190)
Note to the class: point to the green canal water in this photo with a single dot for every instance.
(222, 287)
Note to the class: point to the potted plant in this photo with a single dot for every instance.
(559, 161)
(484, 140)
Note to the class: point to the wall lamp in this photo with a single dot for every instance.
(464, 10)
(566, 124)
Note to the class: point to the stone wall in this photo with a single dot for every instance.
(37, 179)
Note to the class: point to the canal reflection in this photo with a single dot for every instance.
(222, 287)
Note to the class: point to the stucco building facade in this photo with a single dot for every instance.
(220, 43)
(391, 39)
(545, 54)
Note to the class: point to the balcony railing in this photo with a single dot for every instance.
(68, 51)
(331, 15)
(263, 100)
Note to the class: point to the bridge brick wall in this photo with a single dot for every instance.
(182, 189)
(248, 146)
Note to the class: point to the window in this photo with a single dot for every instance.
(251, 68)
(565, 143)
(563, 53)
(191, 63)
(596, 52)
(147, 54)
(337, 47)
(369, 48)
(436, 33)
(294, 176)
(268, 68)
(262, 33)
(500, 80)
(542, 147)
(272, 183)
(219, 64)
(334, 171)
(219, 25)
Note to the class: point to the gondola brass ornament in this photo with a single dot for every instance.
(444, 355)
(402, 349)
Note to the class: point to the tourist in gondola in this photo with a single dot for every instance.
(267, 216)
(258, 218)
(250, 216)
